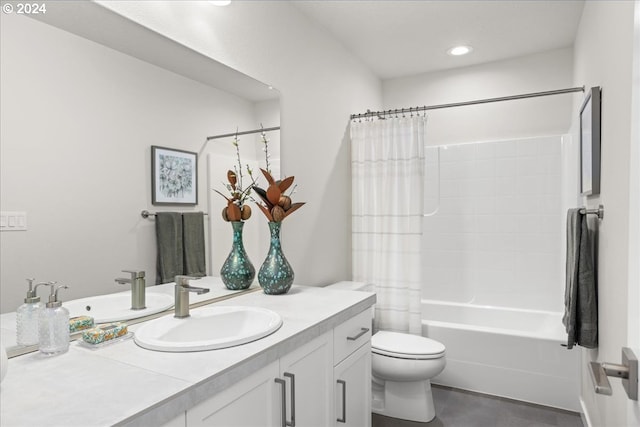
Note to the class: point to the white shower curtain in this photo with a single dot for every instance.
(387, 169)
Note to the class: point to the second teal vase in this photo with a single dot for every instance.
(237, 272)
(275, 275)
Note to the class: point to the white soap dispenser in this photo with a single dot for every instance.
(27, 317)
(53, 324)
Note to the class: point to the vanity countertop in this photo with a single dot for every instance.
(123, 384)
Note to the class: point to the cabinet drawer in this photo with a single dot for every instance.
(350, 335)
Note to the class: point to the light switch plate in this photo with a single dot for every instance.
(13, 221)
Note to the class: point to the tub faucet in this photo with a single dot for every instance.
(182, 295)
(137, 288)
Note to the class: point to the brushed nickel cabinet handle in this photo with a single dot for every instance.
(293, 399)
(283, 383)
(359, 334)
(344, 401)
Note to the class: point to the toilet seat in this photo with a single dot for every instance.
(406, 346)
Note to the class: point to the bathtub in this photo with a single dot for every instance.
(513, 353)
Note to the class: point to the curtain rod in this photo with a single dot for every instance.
(246, 132)
(460, 104)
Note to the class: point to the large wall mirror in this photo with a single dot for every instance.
(85, 94)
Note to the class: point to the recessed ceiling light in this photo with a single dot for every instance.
(221, 3)
(459, 50)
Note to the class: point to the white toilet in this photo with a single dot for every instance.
(402, 368)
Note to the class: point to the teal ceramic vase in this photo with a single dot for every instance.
(275, 275)
(237, 272)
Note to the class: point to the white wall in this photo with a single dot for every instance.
(489, 122)
(78, 120)
(603, 57)
(320, 83)
(633, 408)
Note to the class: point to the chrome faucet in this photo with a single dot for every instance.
(182, 290)
(137, 288)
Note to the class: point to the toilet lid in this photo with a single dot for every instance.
(406, 346)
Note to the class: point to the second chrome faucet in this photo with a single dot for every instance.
(182, 290)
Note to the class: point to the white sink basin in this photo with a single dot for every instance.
(208, 328)
(117, 307)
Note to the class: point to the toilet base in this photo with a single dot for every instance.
(411, 400)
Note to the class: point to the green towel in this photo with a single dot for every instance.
(193, 243)
(170, 260)
(581, 291)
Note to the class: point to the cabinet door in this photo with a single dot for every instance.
(308, 381)
(353, 389)
(253, 401)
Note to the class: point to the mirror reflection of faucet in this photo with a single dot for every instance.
(182, 290)
(137, 288)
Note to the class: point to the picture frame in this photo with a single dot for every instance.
(590, 115)
(174, 176)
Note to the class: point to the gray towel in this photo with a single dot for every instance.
(581, 295)
(170, 260)
(193, 243)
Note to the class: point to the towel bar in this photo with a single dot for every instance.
(599, 211)
(146, 214)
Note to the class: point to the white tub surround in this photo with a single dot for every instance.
(494, 278)
(495, 230)
(123, 384)
(498, 351)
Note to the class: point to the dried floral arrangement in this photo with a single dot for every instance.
(237, 209)
(274, 203)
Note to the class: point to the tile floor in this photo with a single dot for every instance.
(459, 408)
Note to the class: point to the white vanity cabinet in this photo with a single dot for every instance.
(252, 401)
(305, 387)
(325, 339)
(306, 383)
(352, 379)
(300, 384)
(352, 371)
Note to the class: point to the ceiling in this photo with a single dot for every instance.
(100, 24)
(397, 38)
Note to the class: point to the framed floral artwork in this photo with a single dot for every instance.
(174, 176)
(590, 143)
